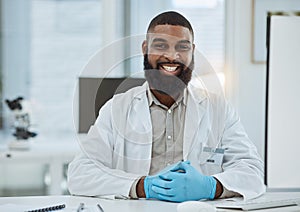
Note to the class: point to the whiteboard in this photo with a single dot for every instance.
(283, 104)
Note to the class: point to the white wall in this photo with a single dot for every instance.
(245, 81)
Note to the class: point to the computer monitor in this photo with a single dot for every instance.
(282, 148)
(95, 92)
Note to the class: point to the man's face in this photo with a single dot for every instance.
(168, 57)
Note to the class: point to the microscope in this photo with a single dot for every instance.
(21, 125)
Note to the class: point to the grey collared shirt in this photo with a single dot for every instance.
(167, 131)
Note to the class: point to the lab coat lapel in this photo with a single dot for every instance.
(140, 110)
(194, 113)
(139, 129)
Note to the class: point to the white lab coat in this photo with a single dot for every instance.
(117, 149)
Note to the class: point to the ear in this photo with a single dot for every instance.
(145, 47)
(194, 48)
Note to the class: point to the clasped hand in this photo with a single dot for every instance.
(180, 182)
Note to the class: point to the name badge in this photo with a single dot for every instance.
(215, 155)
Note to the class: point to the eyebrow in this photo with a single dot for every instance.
(159, 40)
(164, 40)
(185, 41)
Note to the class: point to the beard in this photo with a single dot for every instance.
(171, 85)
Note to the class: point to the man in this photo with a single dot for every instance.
(167, 140)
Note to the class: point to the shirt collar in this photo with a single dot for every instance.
(152, 99)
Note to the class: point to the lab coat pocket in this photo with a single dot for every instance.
(210, 160)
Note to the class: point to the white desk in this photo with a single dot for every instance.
(55, 152)
(72, 202)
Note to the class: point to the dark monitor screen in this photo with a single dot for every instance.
(95, 92)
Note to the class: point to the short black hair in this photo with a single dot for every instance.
(171, 18)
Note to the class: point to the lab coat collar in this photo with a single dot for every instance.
(198, 94)
(153, 100)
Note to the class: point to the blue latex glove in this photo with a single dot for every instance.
(186, 184)
(150, 194)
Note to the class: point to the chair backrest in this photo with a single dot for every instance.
(95, 92)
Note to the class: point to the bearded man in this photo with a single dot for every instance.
(166, 139)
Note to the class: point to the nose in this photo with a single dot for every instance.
(171, 54)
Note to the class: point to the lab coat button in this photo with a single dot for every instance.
(169, 111)
(169, 137)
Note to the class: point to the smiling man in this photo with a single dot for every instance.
(167, 140)
(168, 57)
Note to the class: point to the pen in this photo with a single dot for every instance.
(51, 208)
(100, 208)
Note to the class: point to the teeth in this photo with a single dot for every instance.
(170, 68)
